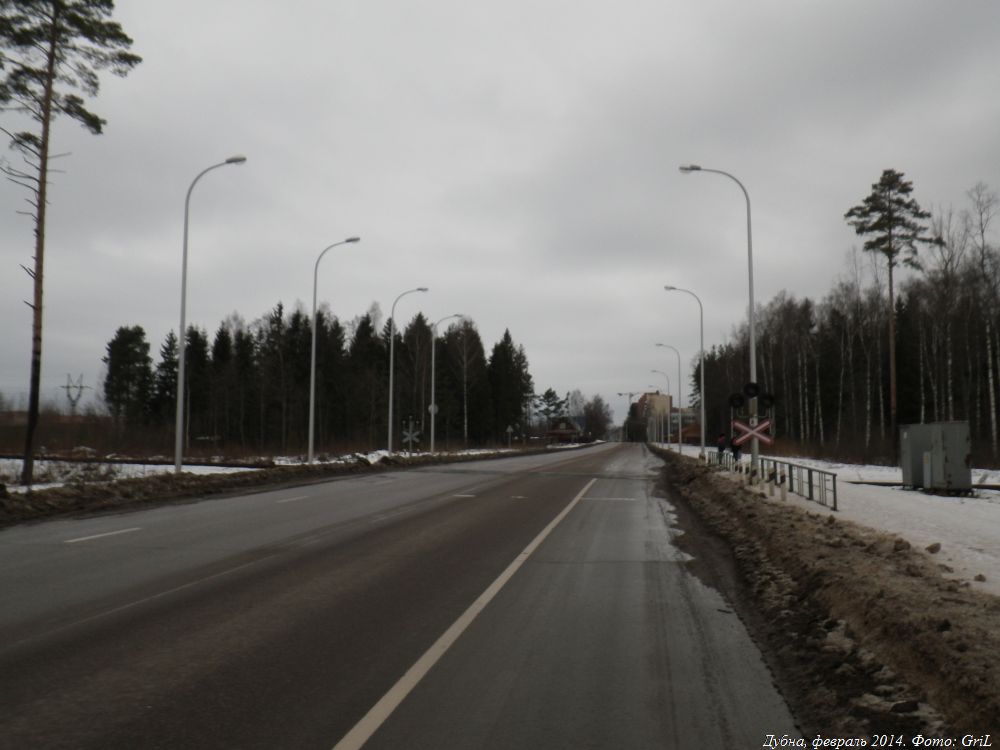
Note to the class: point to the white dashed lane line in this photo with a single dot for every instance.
(99, 536)
(291, 499)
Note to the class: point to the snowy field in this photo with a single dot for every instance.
(967, 528)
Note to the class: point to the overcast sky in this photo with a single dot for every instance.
(518, 157)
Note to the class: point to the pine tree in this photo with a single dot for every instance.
(222, 377)
(129, 378)
(331, 379)
(49, 50)
(367, 363)
(510, 384)
(198, 386)
(165, 381)
(892, 221)
(550, 406)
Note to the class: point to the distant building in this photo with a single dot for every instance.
(565, 430)
(655, 404)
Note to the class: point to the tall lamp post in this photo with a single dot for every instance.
(182, 336)
(434, 406)
(661, 372)
(392, 346)
(680, 414)
(312, 366)
(701, 358)
(755, 447)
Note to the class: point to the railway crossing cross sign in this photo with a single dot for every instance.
(411, 435)
(759, 432)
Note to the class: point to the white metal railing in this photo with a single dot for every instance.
(816, 485)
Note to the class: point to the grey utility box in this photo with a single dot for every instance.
(936, 456)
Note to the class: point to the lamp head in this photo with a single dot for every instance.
(421, 289)
(353, 239)
(685, 168)
(238, 159)
(670, 288)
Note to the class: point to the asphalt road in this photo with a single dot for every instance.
(533, 602)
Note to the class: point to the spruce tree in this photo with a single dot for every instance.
(165, 381)
(129, 379)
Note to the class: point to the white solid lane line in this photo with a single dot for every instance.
(381, 711)
(99, 536)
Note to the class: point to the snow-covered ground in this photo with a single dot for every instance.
(967, 528)
(56, 473)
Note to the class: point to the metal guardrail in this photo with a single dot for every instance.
(816, 485)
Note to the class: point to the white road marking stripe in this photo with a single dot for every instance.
(621, 499)
(382, 710)
(463, 495)
(98, 536)
(291, 499)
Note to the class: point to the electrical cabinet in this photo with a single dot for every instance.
(936, 456)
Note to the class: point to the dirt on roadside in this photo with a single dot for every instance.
(862, 631)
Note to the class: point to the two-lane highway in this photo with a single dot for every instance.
(527, 602)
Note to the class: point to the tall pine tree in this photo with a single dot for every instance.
(892, 221)
(50, 50)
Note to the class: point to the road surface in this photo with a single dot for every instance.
(530, 602)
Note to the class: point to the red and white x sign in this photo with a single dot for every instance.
(759, 432)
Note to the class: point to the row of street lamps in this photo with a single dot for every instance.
(686, 169)
(755, 449)
(752, 313)
(179, 421)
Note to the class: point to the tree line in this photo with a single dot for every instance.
(247, 387)
(829, 363)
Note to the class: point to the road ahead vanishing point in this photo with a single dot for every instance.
(530, 602)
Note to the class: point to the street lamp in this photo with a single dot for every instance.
(392, 346)
(312, 366)
(755, 447)
(182, 336)
(680, 414)
(434, 406)
(701, 357)
(661, 372)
